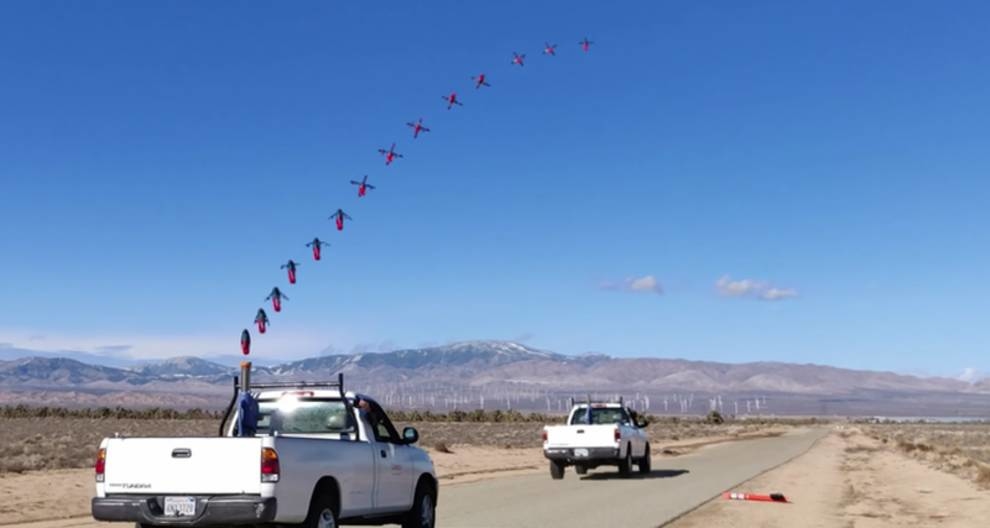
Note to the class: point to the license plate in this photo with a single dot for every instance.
(580, 452)
(180, 506)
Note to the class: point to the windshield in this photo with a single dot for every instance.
(599, 416)
(290, 415)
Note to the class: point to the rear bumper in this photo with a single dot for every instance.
(595, 456)
(210, 510)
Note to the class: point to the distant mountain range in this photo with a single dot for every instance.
(498, 374)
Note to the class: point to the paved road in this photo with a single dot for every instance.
(602, 499)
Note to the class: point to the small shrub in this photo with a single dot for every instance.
(983, 476)
(906, 446)
(441, 447)
(714, 418)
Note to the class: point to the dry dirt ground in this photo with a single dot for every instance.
(852, 480)
(65, 493)
(64, 443)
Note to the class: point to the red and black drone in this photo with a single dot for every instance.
(549, 49)
(518, 59)
(452, 100)
(480, 81)
(291, 265)
(276, 297)
(417, 127)
(389, 154)
(363, 186)
(317, 246)
(261, 319)
(245, 342)
(339, 217)
(585, 44)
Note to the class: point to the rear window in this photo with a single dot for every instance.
(599, 416)
(289, 415)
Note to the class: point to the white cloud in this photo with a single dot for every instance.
(778, 294)
(739, 288)
(644, 284)
(753, 288)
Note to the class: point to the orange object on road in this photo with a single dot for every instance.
(773, 497)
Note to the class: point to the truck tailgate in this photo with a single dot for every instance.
(188, 466)
(581, 436)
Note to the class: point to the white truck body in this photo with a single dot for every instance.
(597, 434)
(373, 474)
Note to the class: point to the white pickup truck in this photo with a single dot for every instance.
(597, 434)
(319, 457)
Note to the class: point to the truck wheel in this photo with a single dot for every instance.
(556, 470)
(644, 463)
(581, 470)
(625, 465)
(322, 512)
(424, 511)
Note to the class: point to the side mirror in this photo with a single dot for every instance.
(410, 435)
(642, 422)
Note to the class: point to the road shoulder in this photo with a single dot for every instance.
(850, 480)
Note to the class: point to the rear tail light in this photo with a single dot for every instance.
(544, 435)
(101, 464)
(617, 435)
(269, 465)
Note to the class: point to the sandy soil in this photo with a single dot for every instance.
(851, 481)
(38, 495)
(62, 494)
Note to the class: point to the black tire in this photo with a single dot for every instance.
(423, 513)
(645, 463)
(323, 510)
(625, 465)
(556, 470)
(581, 470)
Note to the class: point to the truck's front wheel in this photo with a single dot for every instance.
(625, 465)
(424, 511)
(556, 470)
(644, 463)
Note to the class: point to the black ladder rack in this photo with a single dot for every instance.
(339, 384)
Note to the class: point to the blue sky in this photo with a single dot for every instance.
(712, 181)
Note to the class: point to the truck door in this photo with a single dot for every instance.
(393, 464)
(638, 435)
